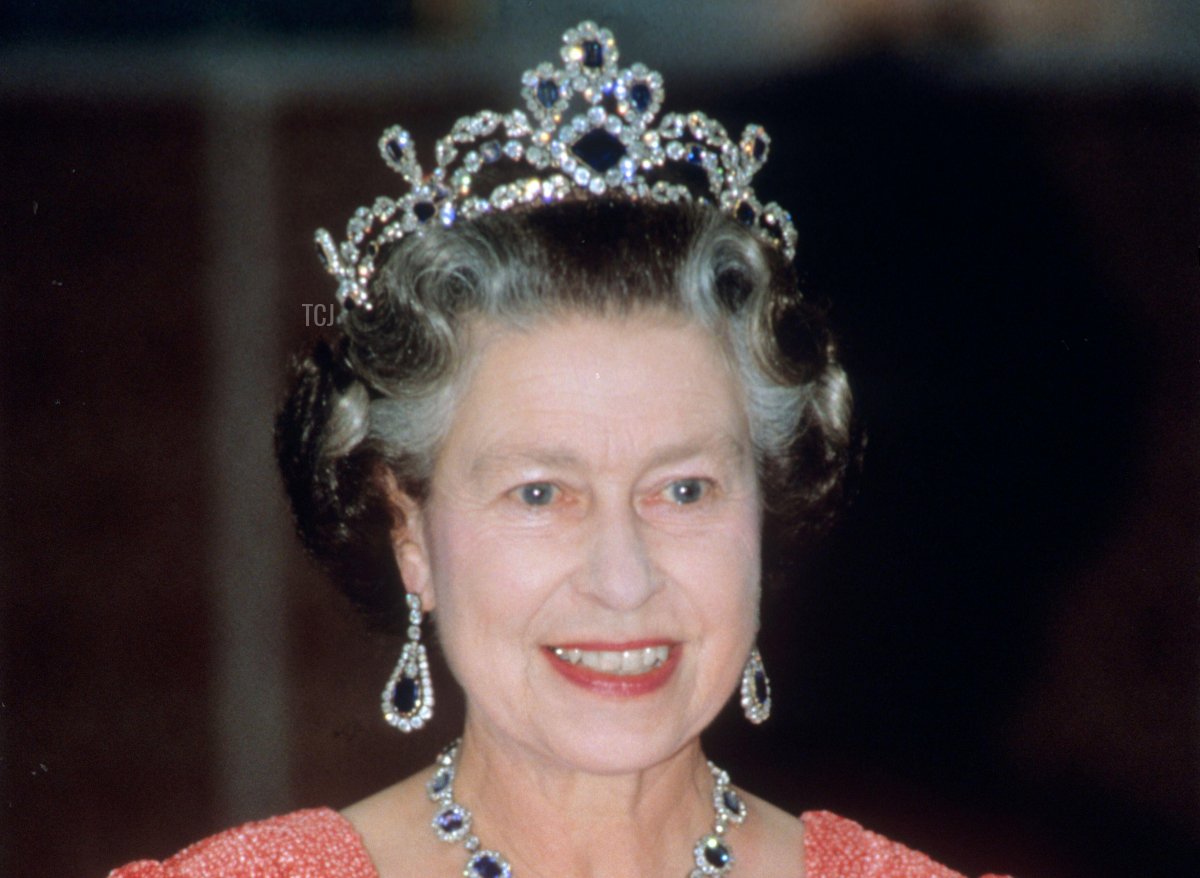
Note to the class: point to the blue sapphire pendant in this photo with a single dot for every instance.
(713, 856)
(452, 823)
(756, 689)
(407, 699)
(487, 864)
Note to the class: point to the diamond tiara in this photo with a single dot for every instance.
(592, 129)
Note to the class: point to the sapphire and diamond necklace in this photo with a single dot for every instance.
(452, 823)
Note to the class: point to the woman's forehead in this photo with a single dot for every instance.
(588, 386)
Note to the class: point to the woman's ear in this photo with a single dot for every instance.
(409, 544)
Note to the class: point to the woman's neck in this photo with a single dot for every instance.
(548, 819)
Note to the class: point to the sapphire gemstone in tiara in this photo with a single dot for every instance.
(640, 96)
(547, 92)
(593, 54)
(599, 149)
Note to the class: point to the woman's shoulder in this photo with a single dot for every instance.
(315, 842)
(835, 847)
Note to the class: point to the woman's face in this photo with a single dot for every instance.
(591, 538)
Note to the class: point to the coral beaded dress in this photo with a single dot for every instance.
(320, 843)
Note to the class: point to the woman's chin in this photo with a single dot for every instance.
(607, 750)
(611, 741)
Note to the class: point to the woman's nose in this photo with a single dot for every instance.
(619, 573)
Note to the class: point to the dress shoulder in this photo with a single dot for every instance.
(317, 843)
(835, 847)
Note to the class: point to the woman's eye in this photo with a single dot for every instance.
(685, 491)
(537, 494)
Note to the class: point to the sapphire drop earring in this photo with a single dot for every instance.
(756, 689)
(407, 699)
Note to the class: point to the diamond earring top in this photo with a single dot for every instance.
(591, 129)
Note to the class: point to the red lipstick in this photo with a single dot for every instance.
(615, 685)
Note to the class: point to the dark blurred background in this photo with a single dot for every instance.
(995, 658)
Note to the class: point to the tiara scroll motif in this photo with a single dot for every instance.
(612, 146)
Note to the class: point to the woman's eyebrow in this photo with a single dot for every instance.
(722, 447)
(501, 458)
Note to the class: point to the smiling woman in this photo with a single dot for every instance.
(603, 421)
(562, 398)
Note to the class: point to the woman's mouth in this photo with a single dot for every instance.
(622, 663)
(624, 669)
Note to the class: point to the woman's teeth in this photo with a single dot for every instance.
(620, 662)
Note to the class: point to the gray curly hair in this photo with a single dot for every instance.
(384, 394)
